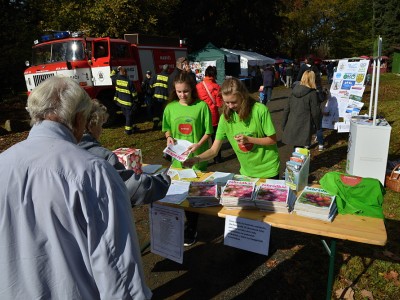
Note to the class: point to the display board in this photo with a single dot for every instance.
(346, 93)
(199, 68)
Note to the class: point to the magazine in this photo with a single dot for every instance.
(315, 202)
(203, 194)
(311, 215)
(178, 150)
(276, 197)
(238, 193)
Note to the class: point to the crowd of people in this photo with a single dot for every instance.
(78, 233)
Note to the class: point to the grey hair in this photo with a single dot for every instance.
(98, 114)
(60, 98)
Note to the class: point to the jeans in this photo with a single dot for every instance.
(320, 134)
(289, 81)
(267, 94)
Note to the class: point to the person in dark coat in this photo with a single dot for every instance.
(160, 95)
(148, 92)
(268, 83)
(301, 115)
(126, 97)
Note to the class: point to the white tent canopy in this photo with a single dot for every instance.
(248, 58)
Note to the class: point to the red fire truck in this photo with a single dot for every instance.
(90, 60)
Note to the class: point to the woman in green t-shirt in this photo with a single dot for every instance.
(188, 118)
(248, 127)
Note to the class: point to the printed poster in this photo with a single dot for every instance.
(199, 68)
(347, 88)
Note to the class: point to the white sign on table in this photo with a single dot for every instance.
(247, 234)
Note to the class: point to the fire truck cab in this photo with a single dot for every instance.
(90, 61)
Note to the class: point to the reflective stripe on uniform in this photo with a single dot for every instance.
(158, 96)
(126, 103)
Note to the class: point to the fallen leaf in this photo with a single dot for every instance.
(345, 256)
(392, 275)
(348, 293)
(367, 294)
(271, 263)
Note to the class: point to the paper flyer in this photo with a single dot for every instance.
(166, 225)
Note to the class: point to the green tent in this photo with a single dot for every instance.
(227, 64)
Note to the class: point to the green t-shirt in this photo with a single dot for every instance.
(255, 160)
(188, 123)
(355, 195)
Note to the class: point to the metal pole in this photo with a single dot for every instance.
(371, 98)
(378, 72)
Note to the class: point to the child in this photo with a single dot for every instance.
(187, 118)
(248, 127)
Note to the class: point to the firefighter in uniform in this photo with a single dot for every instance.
(160, 96)
(147, 89)
(126, 97)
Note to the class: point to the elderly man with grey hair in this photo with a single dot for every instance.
(66, 229)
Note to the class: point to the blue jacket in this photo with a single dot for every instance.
(142, 188)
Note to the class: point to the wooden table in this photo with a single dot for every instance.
(345, 227)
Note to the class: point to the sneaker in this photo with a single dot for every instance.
(190, 238)
(320, 147)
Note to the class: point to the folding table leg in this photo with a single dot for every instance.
(332, 253)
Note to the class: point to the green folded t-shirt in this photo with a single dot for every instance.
(355, 195)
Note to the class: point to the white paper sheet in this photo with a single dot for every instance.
(166, 225)
(247, 234)
(186, 173)
(177, 192)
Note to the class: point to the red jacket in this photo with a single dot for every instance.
(213, 88)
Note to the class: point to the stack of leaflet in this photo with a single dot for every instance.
(297, 169)
(238, 194)
(316, 203)
(274, 196)
(203, 194)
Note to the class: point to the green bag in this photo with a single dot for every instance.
(355, 195)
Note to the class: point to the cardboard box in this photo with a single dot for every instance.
(131, 158)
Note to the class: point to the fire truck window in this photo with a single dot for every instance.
(59, 52)
(75, 51)
(41, 55)
(120, 51)
(100, 50)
